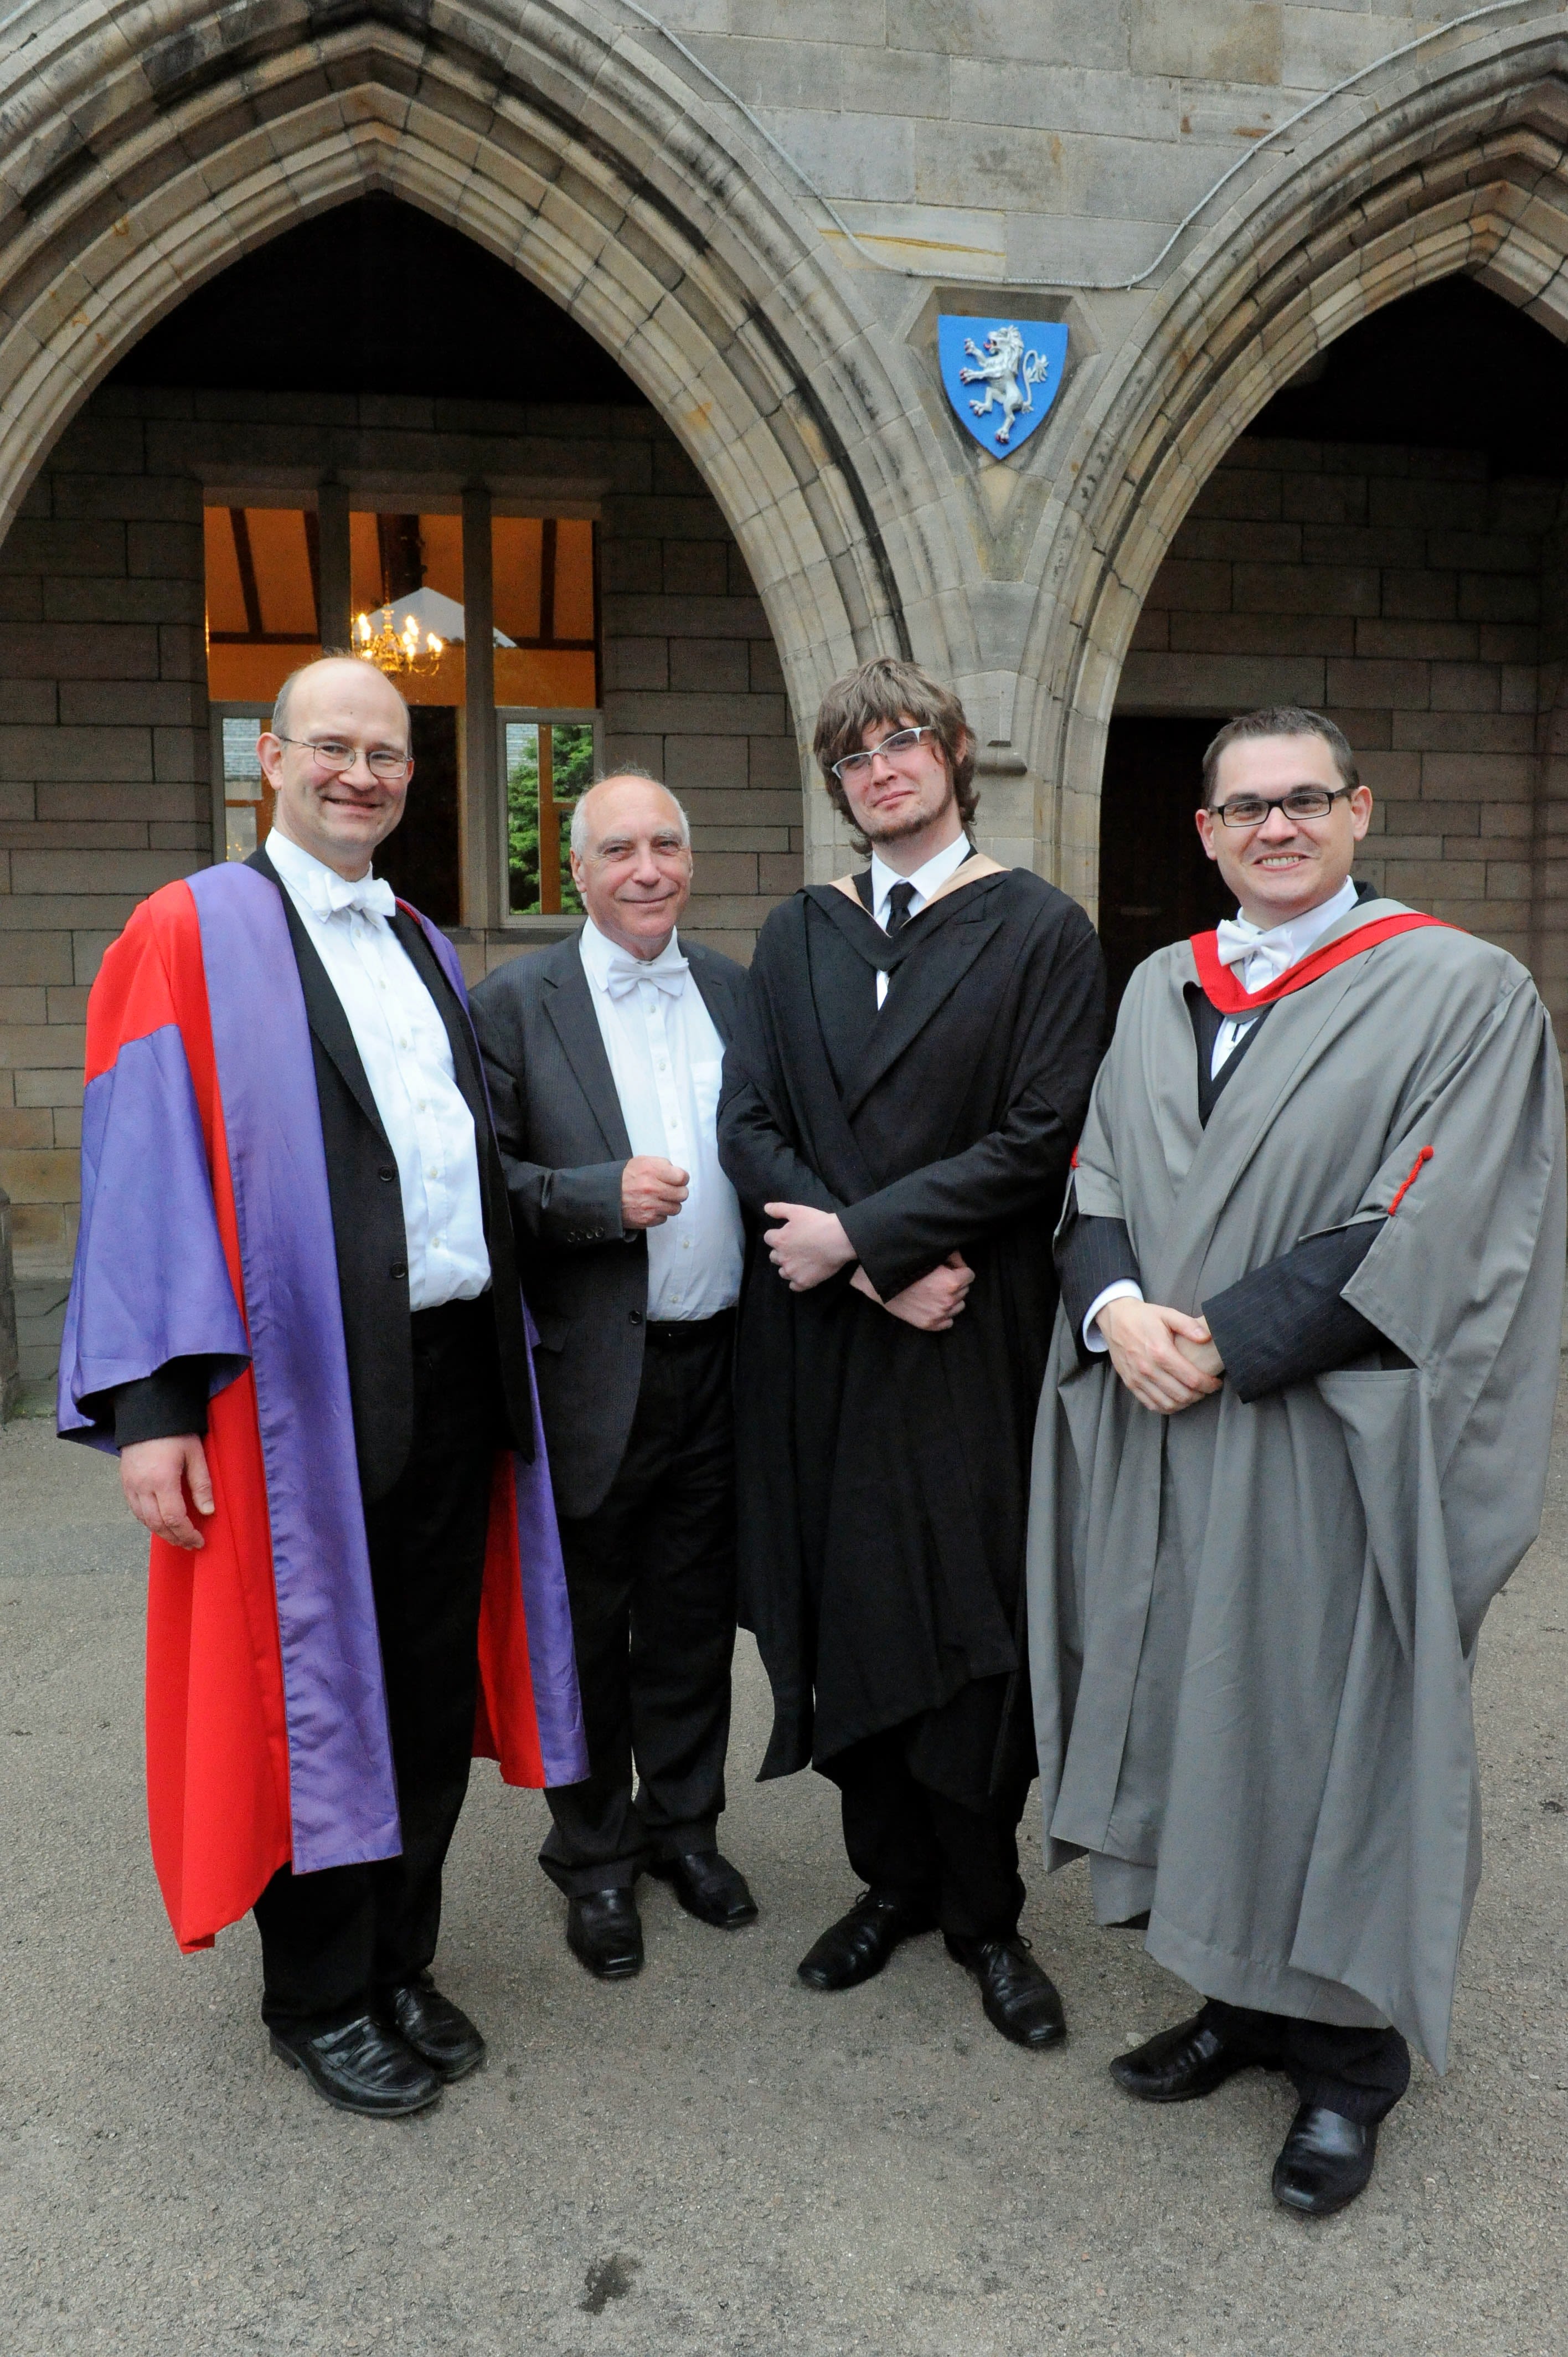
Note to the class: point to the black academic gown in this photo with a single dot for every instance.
(883, 1472)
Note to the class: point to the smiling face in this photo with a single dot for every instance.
(339, 815)
(1286, 866)
(634, 869)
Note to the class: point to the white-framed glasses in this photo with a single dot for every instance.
(897, 747)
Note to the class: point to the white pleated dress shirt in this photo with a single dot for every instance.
(926, 880)
(1267, 956)
(666, 1059)
(407, 1057)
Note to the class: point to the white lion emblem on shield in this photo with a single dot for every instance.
(1007, 371)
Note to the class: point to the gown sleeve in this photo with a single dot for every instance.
(1289, 1321)
(909, 1228)
(151, 1283)
(754, 1152)
(1091, 1253)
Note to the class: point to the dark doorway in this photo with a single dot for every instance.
(1156, 884)
(1451, 367)
(377, 296)
(421, 859)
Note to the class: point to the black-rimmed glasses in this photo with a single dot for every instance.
(1301, 802)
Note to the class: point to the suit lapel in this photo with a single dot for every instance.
(465, 1059)
(713, 989)
(323, 1007)
(570, 1008)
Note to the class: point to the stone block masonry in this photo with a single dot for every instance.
(103, 792)
(105, 787)
(1402, 592)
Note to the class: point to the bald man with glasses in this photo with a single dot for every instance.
(296, 1315)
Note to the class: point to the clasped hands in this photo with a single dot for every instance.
(807, 1246)
(1167, 1360)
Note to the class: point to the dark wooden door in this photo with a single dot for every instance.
(421, 858)
(1156, 884)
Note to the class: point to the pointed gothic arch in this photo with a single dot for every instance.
(1457, 170)
(138, 168)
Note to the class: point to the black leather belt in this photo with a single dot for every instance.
(687, 1334)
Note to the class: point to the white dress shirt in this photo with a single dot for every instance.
(666, 1060)
(926, 880)
(407, 1057)
(1270, 955)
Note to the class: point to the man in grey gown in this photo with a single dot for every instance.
(1292, 1441)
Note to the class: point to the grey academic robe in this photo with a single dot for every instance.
(1253, 1628)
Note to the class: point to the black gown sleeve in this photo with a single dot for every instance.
(164, 1405)
(757, 1158)
(1287, 1321)
(1091, 1253)
(910, 1227)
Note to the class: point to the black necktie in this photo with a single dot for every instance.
(899, 901)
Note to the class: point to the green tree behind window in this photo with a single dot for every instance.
(572, 749)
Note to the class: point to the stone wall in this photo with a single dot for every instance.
(104, 773)
(1399, 591)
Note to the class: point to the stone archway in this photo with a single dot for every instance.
(1463, 171)
(140, 167)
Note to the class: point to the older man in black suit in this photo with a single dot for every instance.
(603, 1055)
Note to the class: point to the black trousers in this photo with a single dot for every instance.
(651, 1574)
(1360, 2073)
(337, 1943)
(902, 1837)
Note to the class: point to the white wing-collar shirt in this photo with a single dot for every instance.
(926, 880)
(407, 1057)
(666, 1059)
(1260, 958)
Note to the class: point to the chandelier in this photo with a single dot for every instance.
(408, 653)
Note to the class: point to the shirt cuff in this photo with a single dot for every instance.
(1123, 1290)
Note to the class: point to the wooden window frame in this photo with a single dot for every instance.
(538, 927)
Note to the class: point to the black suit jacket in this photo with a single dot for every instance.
(565, 1145)
(367, 1231)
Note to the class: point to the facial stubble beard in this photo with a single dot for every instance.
(899, 830)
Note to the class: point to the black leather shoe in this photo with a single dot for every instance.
(363, 2067)
(1020, 2000)
(1181, 2064)
(857, 1946)
(604, 1931)
(1324, 2163)
(708, 1887)
(435, 2029)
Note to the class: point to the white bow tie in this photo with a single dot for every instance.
(371, 896)
(1238, 943)
(667, 972)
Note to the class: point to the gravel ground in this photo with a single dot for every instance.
(709, 2161)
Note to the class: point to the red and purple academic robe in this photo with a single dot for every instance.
(206, 1233)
